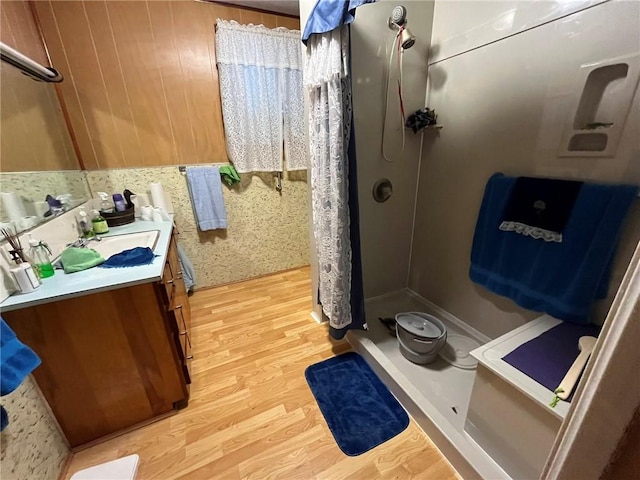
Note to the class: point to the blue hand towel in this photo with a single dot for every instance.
(16, 362)
(561, 279)
(205, 189)
(130, 258)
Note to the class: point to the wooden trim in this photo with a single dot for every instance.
(64, 471)
(124, 431)
(203, 289)
(253, 9)
(63, 105)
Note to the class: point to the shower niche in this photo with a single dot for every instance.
(599, 112)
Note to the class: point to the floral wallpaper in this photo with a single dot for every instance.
(31, 446)
(267, 231)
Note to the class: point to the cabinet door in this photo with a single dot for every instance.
(108, 361)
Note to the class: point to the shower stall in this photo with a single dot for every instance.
(505, 82)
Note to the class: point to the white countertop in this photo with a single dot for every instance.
(63, 286)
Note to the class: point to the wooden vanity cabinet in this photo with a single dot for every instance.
(115, 359)
(177, 306)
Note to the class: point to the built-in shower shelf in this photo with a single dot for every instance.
(430, 127)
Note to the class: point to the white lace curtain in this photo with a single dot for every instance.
(329, 126)
(260, 72)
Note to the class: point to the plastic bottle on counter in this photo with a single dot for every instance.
(84, 223)
(40, 257)
(99, 223)
(119, 202)
(105, 205)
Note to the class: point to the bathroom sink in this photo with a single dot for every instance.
(117, 243)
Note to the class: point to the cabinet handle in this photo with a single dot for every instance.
(178, 306)
(189, 357)
(183, 333)
(169, 282)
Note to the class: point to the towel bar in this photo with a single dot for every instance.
(183, 168)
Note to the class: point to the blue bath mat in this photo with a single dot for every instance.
(360, 411)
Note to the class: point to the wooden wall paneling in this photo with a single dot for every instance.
(173, 77)
(135, 43)
(20, 30)
(143, 78)
(34, 133)
(195, 36)
(47, 21)
(288, 22)
(77, 40)
(269, 20)
(250, 16)
(126, 130)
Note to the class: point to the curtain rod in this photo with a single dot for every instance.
(28, 66)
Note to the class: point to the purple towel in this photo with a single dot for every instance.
(547, 358)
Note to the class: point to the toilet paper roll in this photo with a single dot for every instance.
(13, 207)
(146, 212)
(158, 197)
(167, 201)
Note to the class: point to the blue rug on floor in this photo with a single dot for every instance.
(360, 411)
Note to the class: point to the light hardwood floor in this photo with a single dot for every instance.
(251, 413)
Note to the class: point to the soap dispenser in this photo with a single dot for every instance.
(106, 206)
(84, 224)
(40, 257)
(99, 223)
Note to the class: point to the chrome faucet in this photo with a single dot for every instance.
(82, 242)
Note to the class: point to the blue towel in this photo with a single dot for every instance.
(16, 362)
(561, 279)
(130, 258)
(188, 272)
(328, 15)
(205, 189)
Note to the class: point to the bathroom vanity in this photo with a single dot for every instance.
(115, 343)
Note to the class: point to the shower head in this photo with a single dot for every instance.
(398, 21)
(398, 16)
(407, 39)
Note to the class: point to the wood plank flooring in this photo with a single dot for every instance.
(251, 413)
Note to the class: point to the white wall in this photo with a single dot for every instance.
(504, 107)
(386, 227)
(464, 25)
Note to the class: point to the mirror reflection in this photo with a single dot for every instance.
(37, 156)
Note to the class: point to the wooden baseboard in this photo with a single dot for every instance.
(64, 471)
(137, 426)
(203, 289)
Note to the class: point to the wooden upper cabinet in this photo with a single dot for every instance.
(141, 84)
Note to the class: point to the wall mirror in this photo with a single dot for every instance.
(37, 156)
